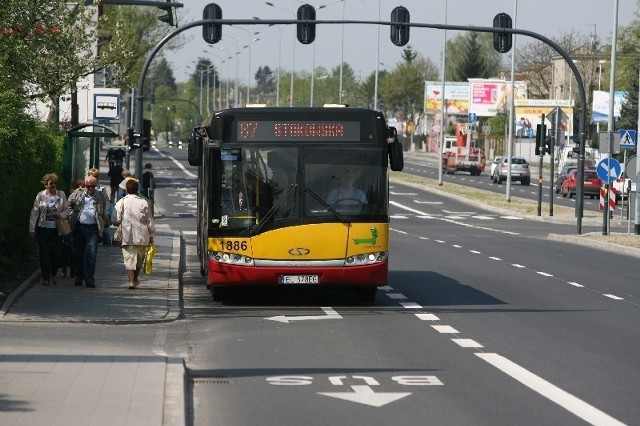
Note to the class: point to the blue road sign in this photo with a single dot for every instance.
(627, 139)
(608, 170)
(472, 117)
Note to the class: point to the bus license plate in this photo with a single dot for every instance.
(298, 279)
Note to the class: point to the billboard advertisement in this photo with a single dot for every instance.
(528, 113)
(489, 97)
(600, 107)
(456, 95)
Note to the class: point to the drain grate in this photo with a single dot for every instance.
(210, 379)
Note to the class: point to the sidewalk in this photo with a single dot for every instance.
(97, 390)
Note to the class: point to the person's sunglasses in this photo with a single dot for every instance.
(90, 186)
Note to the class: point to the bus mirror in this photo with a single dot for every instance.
(396, 159)
(194, 151)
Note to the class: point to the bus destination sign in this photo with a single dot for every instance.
(302, 131)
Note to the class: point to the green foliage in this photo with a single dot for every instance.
(402, 90)
(471, 55)
(28, 150)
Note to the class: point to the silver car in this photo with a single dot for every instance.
(494, 164)
(520, 171)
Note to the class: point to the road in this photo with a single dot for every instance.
(485, 321)
(425, 165)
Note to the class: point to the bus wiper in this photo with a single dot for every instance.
(272, 211)
(333, 211)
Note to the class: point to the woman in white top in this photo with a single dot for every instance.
(138, 230)
(49, 205)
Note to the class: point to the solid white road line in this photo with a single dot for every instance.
(564, 399)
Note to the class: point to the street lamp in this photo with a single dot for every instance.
(248, 46)
(313, 66)
(375, 84)
(293, 53)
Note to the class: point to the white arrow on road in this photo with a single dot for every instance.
(363, 394)
(330, 314)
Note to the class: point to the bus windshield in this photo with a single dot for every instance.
(281, 185)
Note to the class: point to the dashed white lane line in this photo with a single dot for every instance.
(467, 343)
(575, 284)
(445, 329)
(396, 296)
(574, 405)
(410, 305)
(544, 274)
(427, 317)
(613, 296)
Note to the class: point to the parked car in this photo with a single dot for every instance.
(622, 186)
(520, 171)
(591, 186)
(494, 164)
(175, 141)
(562, 176)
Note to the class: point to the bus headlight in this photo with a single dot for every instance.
(231, 258)
(366, 259)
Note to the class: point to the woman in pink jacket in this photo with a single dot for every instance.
(138, 230)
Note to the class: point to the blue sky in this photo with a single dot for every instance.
(359, 46)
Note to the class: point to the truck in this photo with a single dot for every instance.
(465, 157)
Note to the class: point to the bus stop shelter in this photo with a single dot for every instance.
(81, 150)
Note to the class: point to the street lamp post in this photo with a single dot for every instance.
(344, 3)
(375, 84)
(293, 53)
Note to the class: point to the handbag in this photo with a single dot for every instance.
(64, 227)
(117, 234)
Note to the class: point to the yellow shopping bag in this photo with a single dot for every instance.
(148, 259)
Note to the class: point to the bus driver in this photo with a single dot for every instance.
(347, 193)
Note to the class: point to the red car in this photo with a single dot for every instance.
(592, 184)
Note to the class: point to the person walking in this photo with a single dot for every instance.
(49, 206)
(148, 180)
(115, 177)
(87, 215)
(122, 186)
(138, 230)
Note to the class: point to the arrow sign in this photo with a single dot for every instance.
(330, 314)
(363, 394)
(608, 169)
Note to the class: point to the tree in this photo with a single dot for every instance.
(265, 81)
(471, 55)
(402, 90)
(47, 49)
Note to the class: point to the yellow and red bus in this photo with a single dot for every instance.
(294, 197)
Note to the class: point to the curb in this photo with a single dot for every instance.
(15, 294)
(601, 245)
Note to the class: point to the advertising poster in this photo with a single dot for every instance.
(488, 98)
(600, 107)
(528, 113)
(456, 96)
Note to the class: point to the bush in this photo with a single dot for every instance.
(28, 150)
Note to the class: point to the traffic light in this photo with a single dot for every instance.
(502, 42)
(168, 18)
(400, 33)
(146, 134)
(132, 139)
(306, 32)
(212, 33)
(541, 139)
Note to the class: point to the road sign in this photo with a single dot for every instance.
(608, 170)
(611, 199)
(472, 117)
(486, 128)
(627, 139)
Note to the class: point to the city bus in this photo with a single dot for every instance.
(294, 197)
